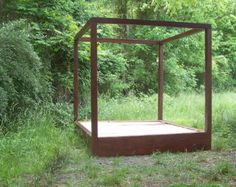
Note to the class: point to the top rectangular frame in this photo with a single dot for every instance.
(92, 25)
(148, 22)
(194, 28)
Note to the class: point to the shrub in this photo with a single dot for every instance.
(21, 82)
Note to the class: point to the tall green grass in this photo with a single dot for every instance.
(185, 109)
(32, 150)
(145, 107)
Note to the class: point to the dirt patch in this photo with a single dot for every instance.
(155, 170)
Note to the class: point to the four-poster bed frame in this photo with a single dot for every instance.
(117, 138)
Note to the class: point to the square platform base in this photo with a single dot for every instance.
(143, 137)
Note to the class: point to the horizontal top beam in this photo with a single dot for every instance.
(128, 41)
(196, 27)
(181, 35)
(134, 41)
(83, 30)
(149, 22)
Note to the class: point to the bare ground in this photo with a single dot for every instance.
(207, 168)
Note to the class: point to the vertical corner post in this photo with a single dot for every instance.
(94, 107)
(75, 80)
(160, 82)
(208, 80)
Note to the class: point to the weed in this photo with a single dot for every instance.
(32, 150)
(115, 177)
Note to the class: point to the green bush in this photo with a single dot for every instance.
(22, 83)
(62, 113)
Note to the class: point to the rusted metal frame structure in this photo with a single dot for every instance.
(112, 146)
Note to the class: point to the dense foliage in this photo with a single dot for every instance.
(21, 82)
(184, 59)
(123, 69)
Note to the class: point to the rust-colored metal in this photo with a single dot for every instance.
(134, 145)
(75, 68)
(128, 41)
(181, 35)
(75, 80)
(208, 82)
(160, 82)
(83, 30)
(87, 132)
(94, 105)
(148, 22)
(142, 145)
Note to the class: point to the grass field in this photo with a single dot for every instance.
(42, 154)
(185, 109)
